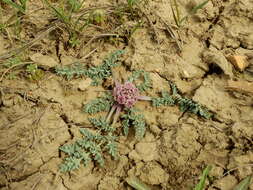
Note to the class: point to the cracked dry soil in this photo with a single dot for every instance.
(36, 118)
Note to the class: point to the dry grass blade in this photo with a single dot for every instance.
(176, 15)
(37, 182)
(172, 33)
(94, 38)
(27, 45)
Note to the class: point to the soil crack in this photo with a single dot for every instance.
(63, 183)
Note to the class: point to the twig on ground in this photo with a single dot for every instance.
(88, 55)
(96, 37)
(236, 168)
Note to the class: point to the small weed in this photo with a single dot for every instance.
(74, 5)
(33, 72)
(91, 147)
(137, 26)
(14, 20)
(97, 74)
(3, 26)
(17, 27)
(20, 6)
(131, 3)
(97, 17)
(74, 40)
(65, 14)
(176, 12)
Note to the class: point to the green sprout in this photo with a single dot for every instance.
(201, 184)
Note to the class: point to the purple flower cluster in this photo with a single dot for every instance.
(126, 94)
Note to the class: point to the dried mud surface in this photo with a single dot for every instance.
(37, 118)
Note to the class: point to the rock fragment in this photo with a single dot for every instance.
(239, 61)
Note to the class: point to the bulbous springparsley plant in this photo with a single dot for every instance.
(125, 96)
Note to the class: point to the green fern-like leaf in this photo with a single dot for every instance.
(140, 126)
(165, 100)
(102, 124)
(69, 149)
(138, 122)
(97, 74)
(76, 156)
(185, 104)
(96, 151)
(146, 84)
(71, 71)
(112, 149)
(70, 163)
(99, 105)
(125, 124)
(90, 144)
(88, 135)
(104, 70)
(91, 147)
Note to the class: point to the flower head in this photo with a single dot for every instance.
(126, 94)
